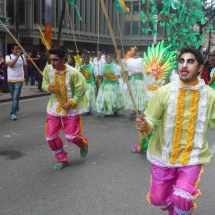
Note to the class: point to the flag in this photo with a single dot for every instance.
(120, 6)
(72, 2)
(48, 34)
(43, 38)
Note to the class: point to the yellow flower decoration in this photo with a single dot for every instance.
(179, 120)
(191, 126)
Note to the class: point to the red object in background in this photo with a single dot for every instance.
(204, 74)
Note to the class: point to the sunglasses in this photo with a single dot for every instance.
(54, 59)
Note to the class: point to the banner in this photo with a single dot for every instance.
(120, 6)
(48, 27)
(43, 40)
(77, 11)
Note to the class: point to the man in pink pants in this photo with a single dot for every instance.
(67, 86)
(179, 114)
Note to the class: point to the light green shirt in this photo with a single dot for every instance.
(161, 113)
(74, 85)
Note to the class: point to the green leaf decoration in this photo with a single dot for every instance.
(144, 20)
(197, 45)
(209, 28)
(202, 38)
(184, 30)
(190, 27)
(178, 18)
(152, 1)
(162, 24)
(193, 20)
(197, 33)
(193, 39)
(168, 31)
(202, 21)
(145, 30)
(176, 5)
(153, 9)
(142, 15)
(154, 32)
(181, 19)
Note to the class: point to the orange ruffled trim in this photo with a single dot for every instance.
(72, 103)
(64, 90)
(198, 180)
(56, 82)
(179, 120)
(56, 88)
(48, 88)
(58, 108)
(191, 128)
(80, 132)
(148, 195)
(81, 128)
(46, 128)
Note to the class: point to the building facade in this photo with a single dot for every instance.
(86, 32)
(3, 33)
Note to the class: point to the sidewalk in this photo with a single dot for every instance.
(27, 92)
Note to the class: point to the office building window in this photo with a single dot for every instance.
(35, 12)
(160, 30)
(136, 9)
(150, 26)
(127, 27)
(2, 8)
(57, 14)
(10, 10)
(22, 14)
(135, 28)
(43, 12)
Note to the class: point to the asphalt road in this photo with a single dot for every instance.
(111, 180)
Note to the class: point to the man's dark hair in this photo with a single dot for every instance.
(195, 52)
(84, 51)
(103, 51)
(58, 51)
(86, 56)
(13, 45)
(109, 55)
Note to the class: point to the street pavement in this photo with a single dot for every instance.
(111, 180)
(28, 91)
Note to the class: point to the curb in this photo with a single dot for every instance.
(25, 97)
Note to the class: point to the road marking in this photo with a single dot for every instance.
(26, 100)
(25, 131)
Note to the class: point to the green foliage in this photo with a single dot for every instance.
(179, 18)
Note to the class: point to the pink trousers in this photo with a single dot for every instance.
(72, 127)
(175, 189)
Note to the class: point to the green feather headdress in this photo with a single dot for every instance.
(160, 59)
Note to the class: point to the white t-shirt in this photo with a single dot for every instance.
(16, 73)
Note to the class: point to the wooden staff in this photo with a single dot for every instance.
(70, 21)
(57, 96)
(120, 33)
(118, 56)
(98, 39)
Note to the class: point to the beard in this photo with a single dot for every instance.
(187, 76)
